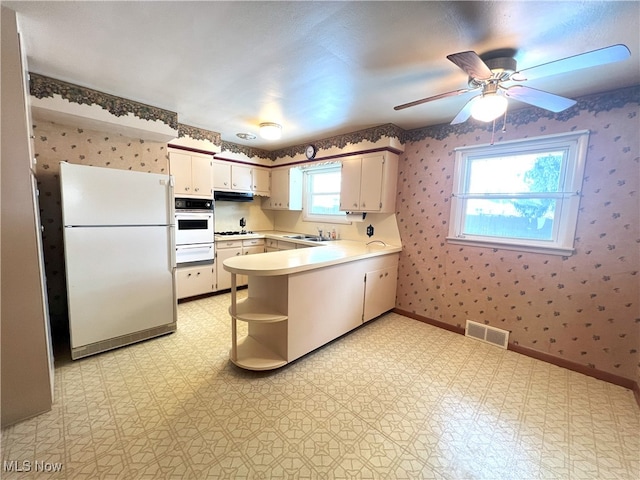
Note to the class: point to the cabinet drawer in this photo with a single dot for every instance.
(272, 243)
(252, 242)
(229, 243)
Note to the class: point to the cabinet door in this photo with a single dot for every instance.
(201, 176)
(279, 188)
(180, 168)
(350, 184)
(224, 277)
(221, 176)
(380, 292)
(261, 181)
(371, 183)
(253, 250)
(191, 281)
(241, 178)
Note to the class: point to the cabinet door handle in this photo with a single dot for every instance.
(197, 189)
(355, 204)
(238, 253)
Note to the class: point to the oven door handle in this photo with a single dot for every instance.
(192, 247)
(193, 215)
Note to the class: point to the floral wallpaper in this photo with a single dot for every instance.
(583, 308)
(55, 143)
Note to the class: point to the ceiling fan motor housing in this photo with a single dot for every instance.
(501, 68)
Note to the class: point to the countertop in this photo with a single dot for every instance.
(327, 253)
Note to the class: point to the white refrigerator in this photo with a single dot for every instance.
(119, 245)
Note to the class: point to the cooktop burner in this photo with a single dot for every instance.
(244, 232)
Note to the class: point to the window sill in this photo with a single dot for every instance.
(519, 247)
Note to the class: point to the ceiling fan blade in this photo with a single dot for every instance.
(435, 97)
(464, 114)
(472, 64)
(539, 98)
(614, 53)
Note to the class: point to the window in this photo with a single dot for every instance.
(520, 195)
(322, 194)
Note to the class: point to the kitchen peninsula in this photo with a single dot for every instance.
(301, 299)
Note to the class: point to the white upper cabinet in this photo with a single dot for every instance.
(369, 183)
(221, 175)
(239, 178)
(192, 174)
(261, 181)
(286, 190)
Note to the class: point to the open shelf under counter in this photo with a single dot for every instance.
(254, 355)
(256, 310)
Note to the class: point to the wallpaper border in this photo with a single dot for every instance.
(595, 103)
(41, 87)
(198, 134)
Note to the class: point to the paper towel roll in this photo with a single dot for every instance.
(355, 217)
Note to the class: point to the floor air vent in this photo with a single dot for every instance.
(487, 334)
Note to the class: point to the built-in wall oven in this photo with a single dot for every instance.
(194, 230)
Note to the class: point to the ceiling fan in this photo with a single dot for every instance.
(487, 76)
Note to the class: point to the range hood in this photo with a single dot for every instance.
(223, 196)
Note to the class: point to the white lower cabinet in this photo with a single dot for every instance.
(234, 248)
(224, 250)
(196, 280)
(379, 291)
(291, 315)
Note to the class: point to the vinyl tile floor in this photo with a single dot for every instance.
(394, 399)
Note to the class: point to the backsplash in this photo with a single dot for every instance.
(583, 308)
(55, 143)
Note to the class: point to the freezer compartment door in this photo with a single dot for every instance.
(120, 280)
(107, 196)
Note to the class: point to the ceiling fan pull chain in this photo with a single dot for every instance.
(493, 131)
(504, 122)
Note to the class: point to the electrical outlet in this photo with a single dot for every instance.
(370, 231)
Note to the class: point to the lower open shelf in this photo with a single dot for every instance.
(253, 355)
(254, 310)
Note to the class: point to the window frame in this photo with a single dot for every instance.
(575, 144)
(307, 216)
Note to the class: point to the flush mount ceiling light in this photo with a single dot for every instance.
(270, 131)
(246, 136)
(488, 107)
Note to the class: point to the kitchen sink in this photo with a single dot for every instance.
(311, 238)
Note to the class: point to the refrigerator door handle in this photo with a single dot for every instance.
(172, 247)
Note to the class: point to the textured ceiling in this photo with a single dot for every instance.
(317, 68)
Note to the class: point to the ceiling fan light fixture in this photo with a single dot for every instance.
(489, 107)
(270, 131)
